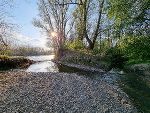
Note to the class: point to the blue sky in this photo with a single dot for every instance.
(23, 13)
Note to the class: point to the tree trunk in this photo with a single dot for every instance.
(98, 25)
(91, 46)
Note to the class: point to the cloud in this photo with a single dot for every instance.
(21, 37)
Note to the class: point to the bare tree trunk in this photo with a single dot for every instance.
(97, 31)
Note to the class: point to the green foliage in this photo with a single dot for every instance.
(119, 10)
(117, 59)
(74, 45)
(137, 48)
(130, 15)
(96, 49)
(139, 61)
(128, 10)
(101, 47)
(132, 49)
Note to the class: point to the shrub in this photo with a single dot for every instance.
(3, 57)
(131, 49)
(136, 48)
(74, 45)
(5, 52)
(117, 59)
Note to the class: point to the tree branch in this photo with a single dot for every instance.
(69, 3)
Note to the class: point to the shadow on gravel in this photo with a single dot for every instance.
(81, 72)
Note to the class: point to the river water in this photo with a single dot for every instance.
(44, 64)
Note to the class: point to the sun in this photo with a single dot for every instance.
(54, 34)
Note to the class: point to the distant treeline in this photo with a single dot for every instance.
(24, 51)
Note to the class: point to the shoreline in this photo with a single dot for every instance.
(8, 63)
(57, 92)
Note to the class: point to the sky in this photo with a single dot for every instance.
(23, 13)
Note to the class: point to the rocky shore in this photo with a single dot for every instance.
(61, 93)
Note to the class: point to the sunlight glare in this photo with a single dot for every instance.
(54, 34)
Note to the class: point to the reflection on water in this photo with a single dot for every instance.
(44, 65)
(41, 58)
(138, 89)
(67, 69)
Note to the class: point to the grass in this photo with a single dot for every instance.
(138, 61)
(137, 89)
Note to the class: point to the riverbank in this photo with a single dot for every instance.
(61, 92)
(142, 68)
(137, 87)
(131, 84)
(135, 81)
(7, 62)
(97, 63)
(85, 59)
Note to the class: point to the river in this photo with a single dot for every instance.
(44, 64)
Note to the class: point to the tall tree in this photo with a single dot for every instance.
(5, 25)
(54, 17)
(89, 17)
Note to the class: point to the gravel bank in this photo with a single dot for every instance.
(22, 92)
(81, 67)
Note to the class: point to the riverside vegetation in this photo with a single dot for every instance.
(131, 54)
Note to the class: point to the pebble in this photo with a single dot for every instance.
(60, 93)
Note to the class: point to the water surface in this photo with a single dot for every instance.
(44, 64)
(41, 57)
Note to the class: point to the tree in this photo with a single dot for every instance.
(87, 26)
(5, 26)
(131, 15)
(54, 19)
(135, 48)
